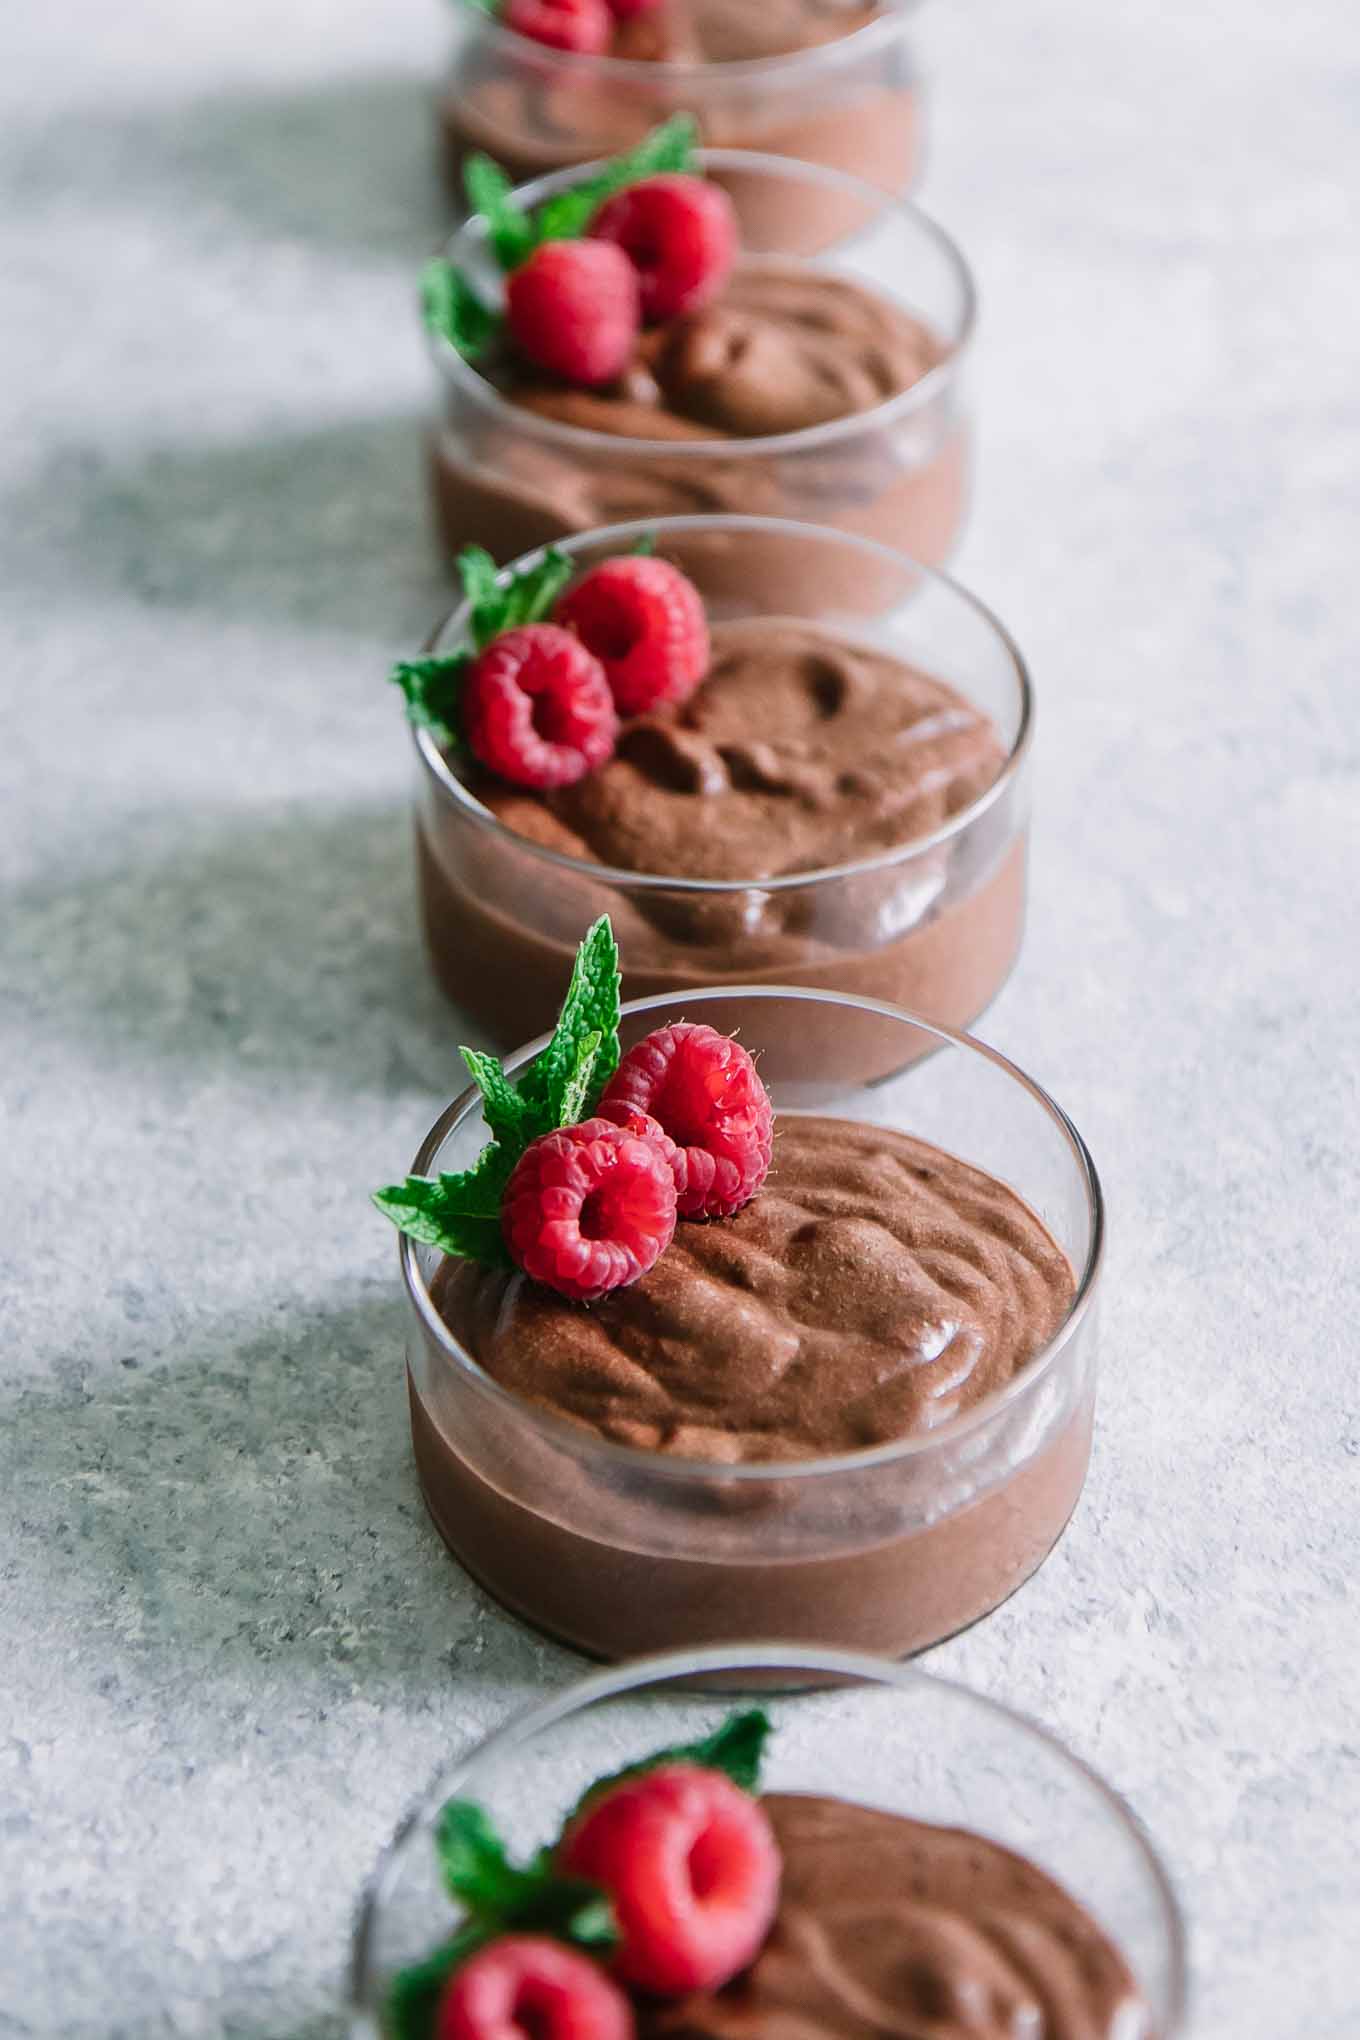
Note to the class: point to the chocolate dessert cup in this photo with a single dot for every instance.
(915, 1747)
(934, 925)
(617, 1549)
(851, 102)
(509, 478)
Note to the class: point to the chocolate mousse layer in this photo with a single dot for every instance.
(894, 1926)
(786, 349)
(803, 750)
(534, 111)
(874, 1290)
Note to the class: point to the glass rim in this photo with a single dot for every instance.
(672, 1468)
(664, 1668)
(452, 368)
(437, 766)
(885, 27)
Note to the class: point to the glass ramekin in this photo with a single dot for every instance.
(617, 1550)
(853, 104)
(935, 925)
(884, 1735)
(508, 479)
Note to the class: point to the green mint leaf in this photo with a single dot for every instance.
(454, 312)
(502, 1107)
(666, 149)
(488, 189)
(472, 1860)
(567, 1908)
(736, 1747)
(590, 1007)
(459, 1214)
(414, 1993)
(433, 688)
(644, 547)
(503, 602)
(580, 1083)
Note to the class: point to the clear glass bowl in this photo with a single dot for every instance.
(853, 104)
(506, 478)
(886, 1735)
(934, 925)
(617, 1550)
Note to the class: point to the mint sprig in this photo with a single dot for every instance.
(498, 602)
(499, 1896)
(459, 1213)
(454, 310)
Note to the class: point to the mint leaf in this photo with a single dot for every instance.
(590, 1007)
(580, 1083)
(460, 1214)
(502, 1107)
(476, 1870)
(666, 149)
(643, 548)
(433, 688)
(454, 312)
(736, 1747)
(510, 231)
(504, 602)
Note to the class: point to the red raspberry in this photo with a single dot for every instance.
(706, 1092)
(573, 310)
(645, 623)
(589, 1208)
(646, 1128)
(536, 707)
(692, 1867)
(586, 26)
(525, 1984)
(681, 235)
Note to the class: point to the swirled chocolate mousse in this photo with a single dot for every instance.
(889, 1925)
(535, 116)
(875, 1289)
(726, 1293)
(800, 750)
(783, 350)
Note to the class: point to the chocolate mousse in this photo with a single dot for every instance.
(802, 750)
(536, 110)
(784, 350)
(875, 1290)
(895, 1926)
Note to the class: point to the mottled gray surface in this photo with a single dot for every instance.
(234, 1647)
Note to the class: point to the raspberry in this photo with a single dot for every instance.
(691, 1865)
(645, 623)
(705, 1091)
(586, 26)
(536, 707)
(573, 310)
(526, 1987)
(589, 1208)
(646, 1128)
(680, 233)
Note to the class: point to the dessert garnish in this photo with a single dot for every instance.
(537, 701)
(592, 1158)
(642, 240)
(664, 1875)
(583, 26)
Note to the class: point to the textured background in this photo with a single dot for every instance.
(234, 1648)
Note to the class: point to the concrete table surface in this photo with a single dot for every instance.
(233, 1647)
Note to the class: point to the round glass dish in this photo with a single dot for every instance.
(617, 1550)
(884, 1735)
(854, 103)
(934, 925)
(507, 478)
